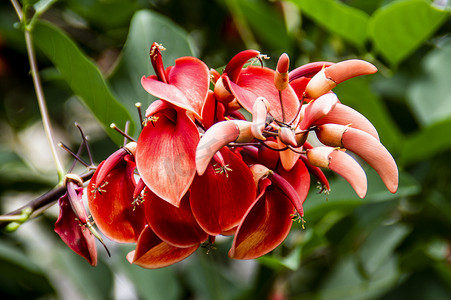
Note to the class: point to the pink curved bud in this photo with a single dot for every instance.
(348, 69)
(281, 75)
(259, 112)
(365, 146)
(342, 164)
(318, 109)
(328, 78)
(345, 115)
(219, 135)
(308, 70)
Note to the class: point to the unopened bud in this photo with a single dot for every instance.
(281, 75)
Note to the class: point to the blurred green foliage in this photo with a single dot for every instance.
(92, 54)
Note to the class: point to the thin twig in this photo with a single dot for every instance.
(38, 89)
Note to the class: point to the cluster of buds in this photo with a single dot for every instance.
(200, 169)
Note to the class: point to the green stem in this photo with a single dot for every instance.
(38, 88)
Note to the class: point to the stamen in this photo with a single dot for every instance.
(113, 126)
(98, 189)
(150, 119)
(137, 201)
(85, 141)
(60, 144)
(138, 107)
(296, 217)
(222, 169)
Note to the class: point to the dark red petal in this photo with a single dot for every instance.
(174, 225)
(111, 162)
(265, 225)
(257, 81)
(111, 205)
(165, 155)
(75, 234)
(220, 197)
(237, 62)
(299, 179)
(287, 189)
(191, 76)
(153, 253)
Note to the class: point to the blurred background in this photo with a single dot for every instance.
(95, 51)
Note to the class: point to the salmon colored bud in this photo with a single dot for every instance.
(364, 145)
(348, 69)
(342, 164)
(331, 134)
(218, 136)
(259, 112)
(281, 74)
(222, 91)
(286, 136)
(328, 78)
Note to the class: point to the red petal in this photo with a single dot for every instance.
(299, 85)
(237, 62)
(265, 225)
(219, 200)
(165, 155)
(257, 81)
(191, 76)
(299, 178)
(111, 205)
(167, 92)
(174, 225)
(73, 233)
(153, 253)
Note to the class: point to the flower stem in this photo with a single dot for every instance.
(38, 89)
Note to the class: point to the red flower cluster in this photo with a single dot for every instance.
(205, 170)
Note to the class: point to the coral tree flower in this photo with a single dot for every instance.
(205, 170)
(110, 197)
(165, 154)
(72, 224)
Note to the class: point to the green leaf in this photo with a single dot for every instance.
(430, 96)
(266, 23)
(399, 28)
(427, 143)
(342, 196)
(146, 27)
(83, 77)
(346, 282)
(92, 283)
(379, 245)
(348, 22)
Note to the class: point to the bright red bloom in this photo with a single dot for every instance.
(110, 198)
(205, 170)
